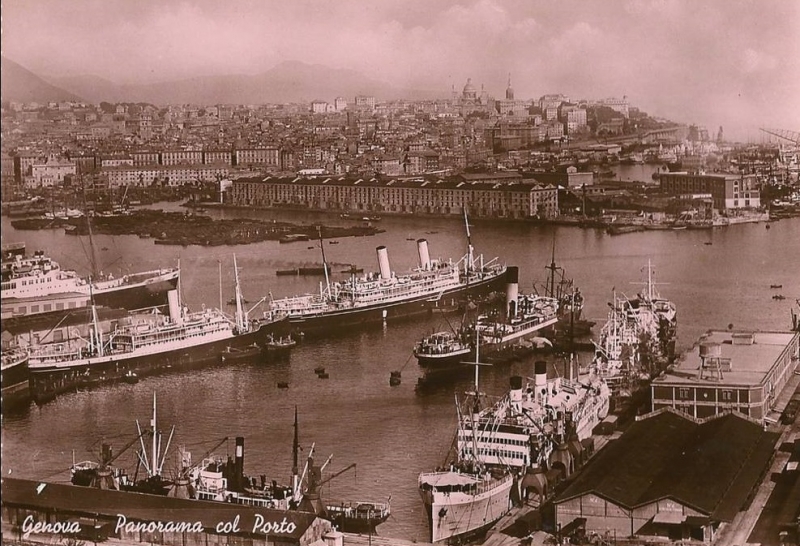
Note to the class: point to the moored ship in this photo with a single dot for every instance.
(445, 353)
(383, 295)
(637, 340)
(146, 343)
(522, 443)
(14, 376)
(217, 479)
(37, 284)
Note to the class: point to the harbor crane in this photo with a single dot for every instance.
(791, 136)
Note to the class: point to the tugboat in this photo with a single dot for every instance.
(377, 297)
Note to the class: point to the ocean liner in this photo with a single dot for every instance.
(383, 295)
(36, 284)
(443, 354)
(638, 338)
(146, 343)
(506, 448)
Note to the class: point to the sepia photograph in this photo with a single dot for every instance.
(400, 273)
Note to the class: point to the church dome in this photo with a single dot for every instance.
(469, 90)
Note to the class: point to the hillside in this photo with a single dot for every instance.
(21, 85)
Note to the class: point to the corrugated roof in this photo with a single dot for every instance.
(711, 466)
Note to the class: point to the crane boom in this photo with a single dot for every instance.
(329, 478)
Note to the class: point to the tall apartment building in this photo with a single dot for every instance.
(182, 157)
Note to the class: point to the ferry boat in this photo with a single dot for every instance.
(37, 284)
(383, 295)
(444, 353)
(638, 339)
(505, 449)
(147, 343)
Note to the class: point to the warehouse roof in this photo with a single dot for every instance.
(710, 465)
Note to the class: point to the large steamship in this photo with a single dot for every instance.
(445, 353)
(36, 285)
(384, 295)
(519, 445)
(145, 343)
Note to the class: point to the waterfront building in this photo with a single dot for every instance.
(142, 158)
(728, 191)
(728, 371)
(166, 175)
(669, 475)
(402, 196)
(51, 172)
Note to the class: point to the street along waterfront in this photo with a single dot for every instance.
(716, 278)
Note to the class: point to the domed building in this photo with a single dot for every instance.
(469, 94)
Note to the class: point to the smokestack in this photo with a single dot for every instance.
(540, 380)
(515, 391)
(238, 463)
(383, 262)
(424, 257)
(512, 290)
(175, 307)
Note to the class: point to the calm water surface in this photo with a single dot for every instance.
(392, 433)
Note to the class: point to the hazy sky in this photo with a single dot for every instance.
(714, 62)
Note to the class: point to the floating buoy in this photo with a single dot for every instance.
(283, 385)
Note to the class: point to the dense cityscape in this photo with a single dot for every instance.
(226, 255)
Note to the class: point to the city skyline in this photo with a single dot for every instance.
(730, 64)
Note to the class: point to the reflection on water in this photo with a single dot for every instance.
(392, 433)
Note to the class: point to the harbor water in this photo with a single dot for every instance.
(717, 278)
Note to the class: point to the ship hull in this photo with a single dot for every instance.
(48, 382)
(444, 366)
(143, 290)
(150, 292)
(15, 383)
(458, 516)
(330, 322)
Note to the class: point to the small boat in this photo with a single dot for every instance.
(333, 242)
(709, 243)
(283, 385)
(394, 378)
(231, 354)
(319, 369)
(311, 248)
(130, 377)
(280, 345)
(778, 297)
(323, 375)
(776, 286)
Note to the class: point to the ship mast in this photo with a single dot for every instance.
(239, 313)
(295, 450)
(98, 337)
(324, 263)
(468, 265)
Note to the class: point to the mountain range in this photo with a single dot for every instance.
(289, 81)
(21, 85)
